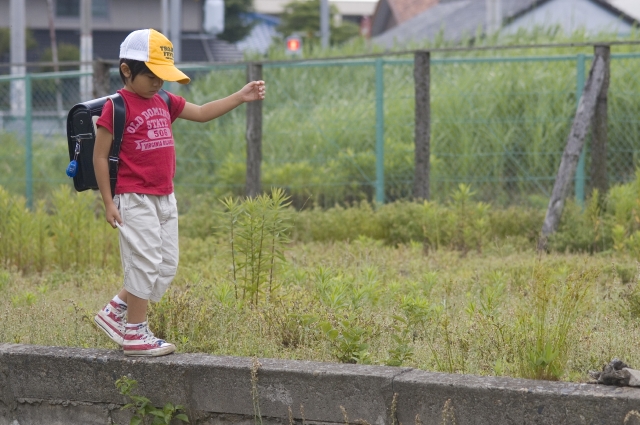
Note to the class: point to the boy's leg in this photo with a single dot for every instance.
(141, 245)
(140, 256)
(136, 308)
(169, 250)
(138, 338)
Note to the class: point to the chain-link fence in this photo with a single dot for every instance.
(339, 131)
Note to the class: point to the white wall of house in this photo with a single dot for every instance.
(571, 15)
(346, 7)
(124, 15)
(630, 7)
(355, 7)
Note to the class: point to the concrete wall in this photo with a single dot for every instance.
(50, 385)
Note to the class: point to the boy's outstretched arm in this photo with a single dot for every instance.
(254, 90)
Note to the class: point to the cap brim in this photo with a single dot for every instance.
(168, 73)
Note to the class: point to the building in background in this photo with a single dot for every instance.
(353, 10)
(391, 13)
(593, 16)
(455, 20)
(267, 13)
(630, 7)
(112, 20)
(262, 34)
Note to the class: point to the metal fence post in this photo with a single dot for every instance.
(380, 131)
(254, 136)
(421, 76)
(28, 136)
(580, 174)
(598, 172)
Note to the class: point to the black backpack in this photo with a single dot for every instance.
(81, 137)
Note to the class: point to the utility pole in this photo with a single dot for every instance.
(18, 57)
(493, 16)
(164, 11)
(175, 31)
(52, 36)
(54, 55)
(86, 50)
(324, 23)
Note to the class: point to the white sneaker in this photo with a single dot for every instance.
(111, 320)
(140, 341)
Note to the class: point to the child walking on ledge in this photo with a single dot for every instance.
(144, 206)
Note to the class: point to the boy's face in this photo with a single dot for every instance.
(144, 84)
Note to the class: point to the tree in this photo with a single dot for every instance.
(5, 41)
(236, 25)
(66, 52)
(303, 17)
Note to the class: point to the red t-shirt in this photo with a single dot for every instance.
(147, 154)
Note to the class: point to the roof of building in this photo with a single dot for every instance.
(389, 13)
(458, 19)
(261, 35)
(407, 9)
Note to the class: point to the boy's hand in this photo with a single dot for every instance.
(254, 90)
(113, 215)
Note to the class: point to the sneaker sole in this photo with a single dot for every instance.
(115, 338)
(151, 353)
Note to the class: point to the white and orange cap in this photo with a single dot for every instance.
(156, 51)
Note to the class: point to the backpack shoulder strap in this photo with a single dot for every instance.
(119, 118)
(163, 94)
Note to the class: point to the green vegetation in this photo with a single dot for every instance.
(144, 412)
(303, 18)
(499, 126)
(66, 52)
(236, 26)
(454, 287)
(5, 40)
(453, 284)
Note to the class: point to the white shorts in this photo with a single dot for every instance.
(148, 243)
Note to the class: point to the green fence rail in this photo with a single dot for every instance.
(341, 131)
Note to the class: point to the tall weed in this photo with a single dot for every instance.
(81, 237)
(546, 319)
(582, 229)
(24, 242)
(62, 232)
(257, 231)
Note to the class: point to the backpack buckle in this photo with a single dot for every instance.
(81, 136)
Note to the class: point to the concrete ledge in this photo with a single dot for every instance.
(51, 385)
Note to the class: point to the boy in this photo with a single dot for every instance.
(144, 206)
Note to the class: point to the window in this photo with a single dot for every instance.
(67, 8)
(100, 8)
(71, 8)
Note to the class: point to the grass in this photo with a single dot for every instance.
(455, 287)
(451, 285)
(453, 313)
